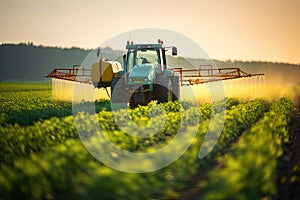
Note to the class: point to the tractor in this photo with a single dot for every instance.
(145, 76)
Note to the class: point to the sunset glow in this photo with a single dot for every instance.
(253, 30)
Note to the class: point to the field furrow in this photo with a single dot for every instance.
(46, 148)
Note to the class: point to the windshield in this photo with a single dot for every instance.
(143, 56)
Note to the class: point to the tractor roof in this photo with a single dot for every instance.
(144, 46)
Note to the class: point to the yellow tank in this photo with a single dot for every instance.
(104, 75)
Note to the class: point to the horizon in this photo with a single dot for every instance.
(233, 60)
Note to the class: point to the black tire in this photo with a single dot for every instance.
(133, 105)
(113, 84)
(163, 90)
(119, 93)
(175, 88)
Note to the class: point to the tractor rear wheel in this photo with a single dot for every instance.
(175, 88)
(163, 90)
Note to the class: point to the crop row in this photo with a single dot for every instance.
(68, 169)
(238, 119)
(249, 172)
(22, 87)
(25, 104)
(17, 140)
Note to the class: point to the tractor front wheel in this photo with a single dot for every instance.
(119, 93)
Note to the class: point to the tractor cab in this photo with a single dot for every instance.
(144, 62)
(141, 54)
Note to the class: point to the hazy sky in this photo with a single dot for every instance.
(267, 30)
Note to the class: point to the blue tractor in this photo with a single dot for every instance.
(145, 76)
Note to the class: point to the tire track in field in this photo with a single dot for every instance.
(289, 173)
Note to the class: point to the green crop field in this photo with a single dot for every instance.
(43, 157)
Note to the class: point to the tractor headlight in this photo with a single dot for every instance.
(146, 79)
(130, 79)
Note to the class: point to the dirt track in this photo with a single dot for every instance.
(289, 171)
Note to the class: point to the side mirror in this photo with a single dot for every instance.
(174, 51)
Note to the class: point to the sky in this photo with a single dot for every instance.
(267, 30)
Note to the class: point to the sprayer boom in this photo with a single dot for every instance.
(205, 74)
(76, 73)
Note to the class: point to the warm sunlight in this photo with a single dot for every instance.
(254, 30)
